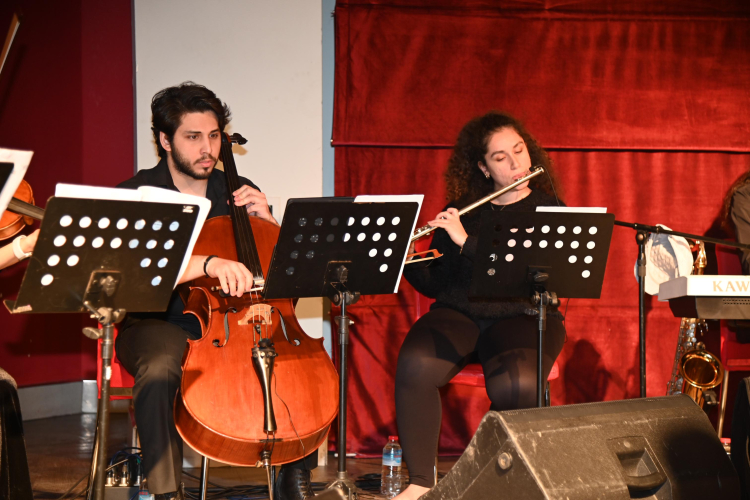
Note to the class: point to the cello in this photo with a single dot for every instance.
(221, 408)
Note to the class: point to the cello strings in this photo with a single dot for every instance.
(241, 224)
(242, 231)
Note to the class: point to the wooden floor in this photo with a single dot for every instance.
(59, 453)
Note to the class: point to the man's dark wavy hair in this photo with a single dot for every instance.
(169, 105)
(726, 206)
(463, 178)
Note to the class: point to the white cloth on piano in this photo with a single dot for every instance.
(667, 257)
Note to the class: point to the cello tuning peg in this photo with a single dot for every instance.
(237, 139)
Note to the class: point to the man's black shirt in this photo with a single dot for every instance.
(218, 193)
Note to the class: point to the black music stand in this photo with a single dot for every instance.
(527, 254)
(105, 257)
(341, 249)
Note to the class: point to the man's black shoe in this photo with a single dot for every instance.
(172, 495)
(293, 484)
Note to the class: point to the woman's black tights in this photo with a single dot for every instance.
(437, 347)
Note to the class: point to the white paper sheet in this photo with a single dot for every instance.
(144, 193)
(367, 198)
(20, 161)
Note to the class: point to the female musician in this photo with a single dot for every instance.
(491, 152)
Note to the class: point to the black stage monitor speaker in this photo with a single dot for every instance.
(741, 436)
(655, 448)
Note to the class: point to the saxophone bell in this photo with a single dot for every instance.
(696, 372)
(701, 372)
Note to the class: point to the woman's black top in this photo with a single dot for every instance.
(447, 279)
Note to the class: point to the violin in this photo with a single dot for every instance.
(21, 212)
(224, 409)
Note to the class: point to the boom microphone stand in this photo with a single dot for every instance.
(641, 235)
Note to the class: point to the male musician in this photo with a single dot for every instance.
(188, 120)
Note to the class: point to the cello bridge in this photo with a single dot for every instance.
(257, 314)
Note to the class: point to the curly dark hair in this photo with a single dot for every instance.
(726, 208)
(463, 178)
(169, 105)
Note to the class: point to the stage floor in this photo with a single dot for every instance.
(59, 453)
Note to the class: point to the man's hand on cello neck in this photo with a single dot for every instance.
(254, 201)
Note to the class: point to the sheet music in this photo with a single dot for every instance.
(144, 193)
(368, 198)
(20, 161)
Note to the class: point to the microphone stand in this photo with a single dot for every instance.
(641, 235)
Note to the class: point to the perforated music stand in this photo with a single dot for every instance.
(336, 248)
(105, 257)
(527, 254)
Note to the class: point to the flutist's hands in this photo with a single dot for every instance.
(451, 222)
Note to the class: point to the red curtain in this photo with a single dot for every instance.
(645, 110)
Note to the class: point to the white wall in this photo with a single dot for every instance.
(261, 57)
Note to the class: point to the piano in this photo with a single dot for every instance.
(708, 296)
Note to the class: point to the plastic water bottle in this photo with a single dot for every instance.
(143, 493)
(391, 480)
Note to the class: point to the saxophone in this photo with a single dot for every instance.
(695, 372)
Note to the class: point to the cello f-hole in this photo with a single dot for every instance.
(226, 328)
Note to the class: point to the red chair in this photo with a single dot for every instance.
(472, 374)
(735, 356)
(120, 386)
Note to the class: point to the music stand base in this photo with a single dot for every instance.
(345, 485)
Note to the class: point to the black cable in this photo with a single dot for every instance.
(72, 488)
(304, 452)
(553, 187)
(199, 479)
(240, 491)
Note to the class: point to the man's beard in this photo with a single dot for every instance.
(184, 167)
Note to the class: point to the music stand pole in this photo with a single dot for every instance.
(107, 317)
(640, 238)
(343, 298)
(541, 300)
